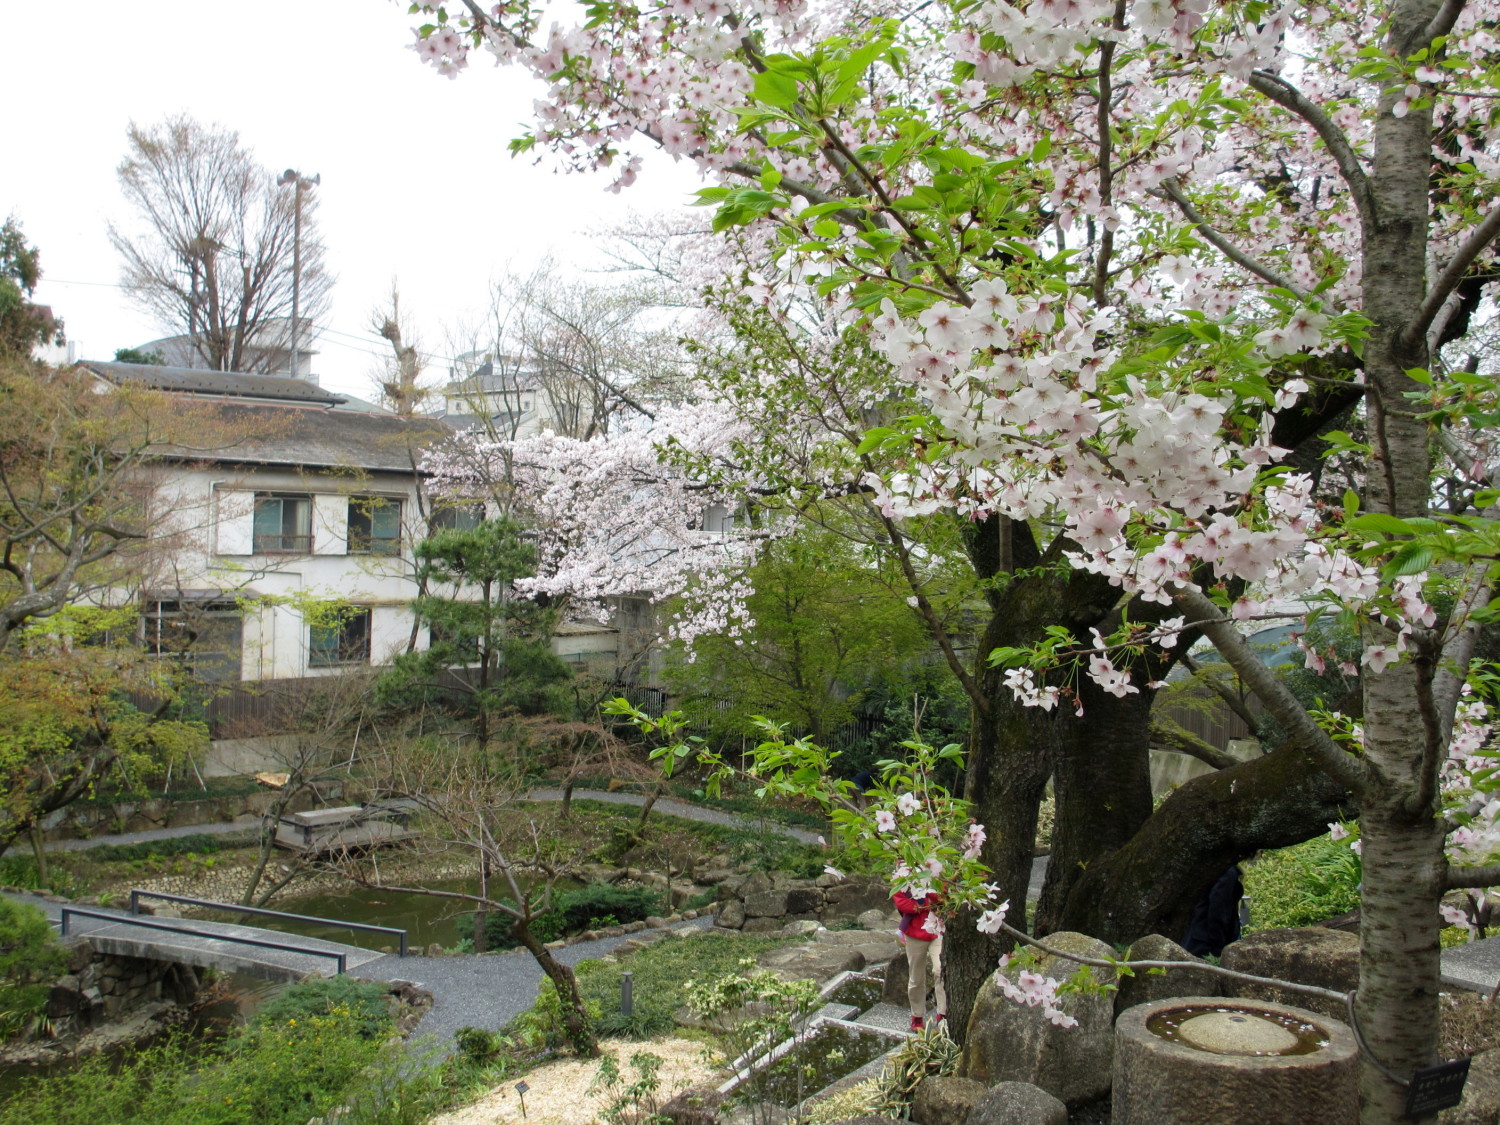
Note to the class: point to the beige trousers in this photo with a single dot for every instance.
(919, 955)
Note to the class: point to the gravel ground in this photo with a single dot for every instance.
(213, 828)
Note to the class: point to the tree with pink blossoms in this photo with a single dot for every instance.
(1129, 257)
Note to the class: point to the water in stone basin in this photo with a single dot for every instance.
(826, 1055)
(862, 992)
(1228, 1029)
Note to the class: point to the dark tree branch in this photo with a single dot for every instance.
(1173, 736)
(1448, 281)
(1275, 695)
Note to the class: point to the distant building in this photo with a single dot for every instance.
(269, 352)
(501, 394)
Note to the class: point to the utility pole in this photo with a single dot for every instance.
(292, 176)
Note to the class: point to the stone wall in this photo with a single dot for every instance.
(81, 822)
(762, 902)
(102, 987)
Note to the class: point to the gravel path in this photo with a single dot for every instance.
(486, 990)
(213, 828)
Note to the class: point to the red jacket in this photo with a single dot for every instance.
(914, 915)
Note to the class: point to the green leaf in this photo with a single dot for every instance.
(1379, 523)
(1351, 503)
(1412, 558)
(776, 89)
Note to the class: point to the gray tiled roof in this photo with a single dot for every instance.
(189, 380)
(300, 437)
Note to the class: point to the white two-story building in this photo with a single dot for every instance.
(283, 545)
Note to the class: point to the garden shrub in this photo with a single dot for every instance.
(30, 958)
(661, 973)
(281, 1072)
(363, 1005)
(588, 908)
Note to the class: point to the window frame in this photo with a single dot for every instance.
(365, 541)
(344, 653)
(259, 540)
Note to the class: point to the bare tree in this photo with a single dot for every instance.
(213, 255)
(469, 796)
(399, 380)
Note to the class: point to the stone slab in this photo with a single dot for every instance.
(888, 1017)
(1475, 966)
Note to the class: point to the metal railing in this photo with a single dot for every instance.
(367, 927)
(182, 928)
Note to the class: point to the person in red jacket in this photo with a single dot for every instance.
(922, 933)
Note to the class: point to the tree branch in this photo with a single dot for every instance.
(1184, 741)
(1173, 191)
(1204, 966)
(1284, 94)
(1465, 878)
(1232, 701)
(1447, 281)
(1276, 696)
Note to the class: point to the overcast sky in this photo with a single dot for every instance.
(417, 183)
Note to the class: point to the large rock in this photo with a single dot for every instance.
(851, 899)
(819, 962)
(766, 904)
(1148, 985)
(1315, 956)
(1018, 1103)
(1010, 1042)
(731, 915)
(1481, 1104)
(945, 1101)
(804, 900)
(897, 975)
(876, 919)
(756, 883)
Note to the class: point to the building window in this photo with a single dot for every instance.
(456, 517)
(348, 642)
(204, 635)
(283, 524)
(374, 526)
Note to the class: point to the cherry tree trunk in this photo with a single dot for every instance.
(1397, 1008)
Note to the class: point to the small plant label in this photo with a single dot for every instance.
(1436, 1087)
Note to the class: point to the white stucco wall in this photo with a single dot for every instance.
(212, 549)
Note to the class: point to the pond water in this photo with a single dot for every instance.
(863, 992)
(427, 918)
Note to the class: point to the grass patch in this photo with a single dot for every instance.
(661, 973)
(1301, 885)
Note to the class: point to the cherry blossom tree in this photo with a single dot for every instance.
(1129, 257)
